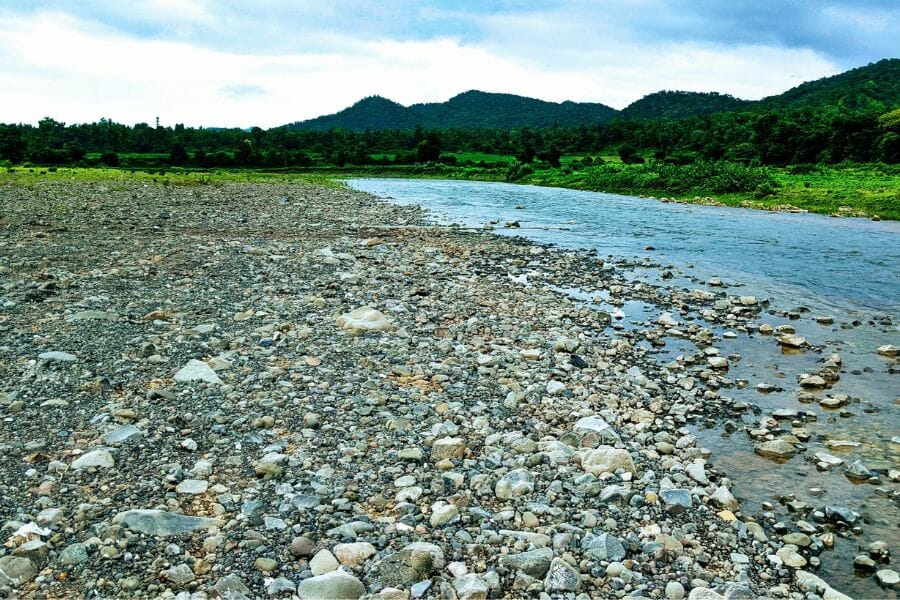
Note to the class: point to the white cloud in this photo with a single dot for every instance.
(52, 64)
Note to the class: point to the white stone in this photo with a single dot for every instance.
(197, 370)
(606, 459)
(323, 562)
(555, 387)
(95, 458)
(364, 319)
(354, 554)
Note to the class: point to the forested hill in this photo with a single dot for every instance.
(671, 106)
(473, 109)
(483, 110)
(872, 88)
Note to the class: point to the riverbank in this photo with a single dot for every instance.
(867, 191)
(186, 406)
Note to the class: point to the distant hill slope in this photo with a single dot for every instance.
(504, 111)
(471, 109)
(671, 106)
(874, 87)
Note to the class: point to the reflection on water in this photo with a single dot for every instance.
(846, 269)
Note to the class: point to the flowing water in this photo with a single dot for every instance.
(848, 269)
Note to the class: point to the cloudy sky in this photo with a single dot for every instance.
(270, 62)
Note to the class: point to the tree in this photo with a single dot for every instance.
(526, 153)
(629, 155)
(178, 155)
(110, 159)
(429, 149)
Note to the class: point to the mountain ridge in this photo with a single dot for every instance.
(873, 87)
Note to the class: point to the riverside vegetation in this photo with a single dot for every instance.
(243, 386)
(830, 146)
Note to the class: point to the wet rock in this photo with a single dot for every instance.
(889, 350)
(888, 578)
(776, 449)
(857, 471)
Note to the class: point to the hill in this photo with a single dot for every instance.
(472, 109)
(872, 88)
(671, 106)
(483, 110)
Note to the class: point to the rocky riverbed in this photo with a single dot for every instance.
(277, 390)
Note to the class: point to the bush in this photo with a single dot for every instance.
(110, 159)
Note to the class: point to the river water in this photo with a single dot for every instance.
(847, 269)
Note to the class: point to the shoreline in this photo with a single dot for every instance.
(493, 438)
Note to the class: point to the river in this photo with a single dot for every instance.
(808, 265)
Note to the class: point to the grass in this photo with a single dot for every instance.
(180, 177)
(845, 190)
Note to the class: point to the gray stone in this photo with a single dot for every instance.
(279, 586)
(603, 546)
(335, 585)
(562, 577)
(230, 587)
(534, 563)
(74, 554)
(674, 590)
(470, 587)
(857, 471)
(776, 449)
(179, 574)
(121, 434)
(676, 501)
(404, 568)
(518, 482)
(16, 570)
(161, 523)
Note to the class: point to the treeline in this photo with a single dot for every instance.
(777, 138)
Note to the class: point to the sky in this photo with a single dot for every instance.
(270, 62)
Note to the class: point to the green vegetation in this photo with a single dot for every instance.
(824, 146)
